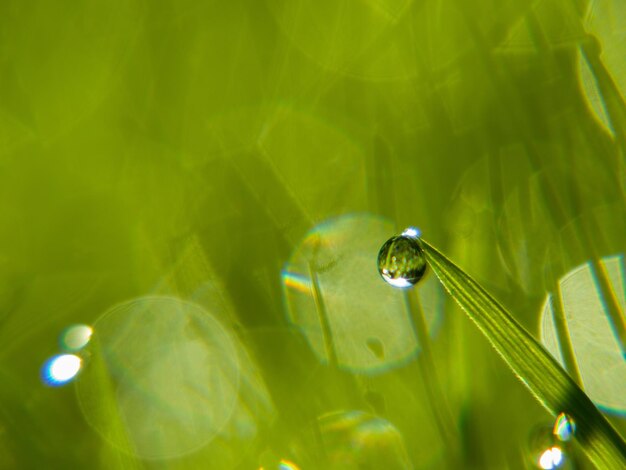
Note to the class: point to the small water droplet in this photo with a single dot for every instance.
(564, 427)
(546, 452)
(401, 261)
(551, 458)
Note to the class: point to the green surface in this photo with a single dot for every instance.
(250, 157)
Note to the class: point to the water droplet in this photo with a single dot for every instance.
(546, 452)
(564, 427)
(61, 369)
(401, 261)
(551, 458)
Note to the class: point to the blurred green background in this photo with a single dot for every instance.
(207, 184)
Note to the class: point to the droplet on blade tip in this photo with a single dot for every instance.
(401, 260)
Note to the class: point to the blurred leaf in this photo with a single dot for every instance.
(589, 328)
(535, 367)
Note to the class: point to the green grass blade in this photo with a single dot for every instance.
(535, 367)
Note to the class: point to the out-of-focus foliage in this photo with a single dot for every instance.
(531, 363)
(185, 150)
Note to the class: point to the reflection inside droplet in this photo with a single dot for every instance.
(551, 458)
(61, 369)
(401, 261)
(564, 427)
(412, 232)
(75, 337)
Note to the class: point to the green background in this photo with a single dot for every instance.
(156, 147)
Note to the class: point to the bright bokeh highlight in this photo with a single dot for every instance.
(75, 337)
(173, 371)
(61, 369)
(412, 232)
(551, 458)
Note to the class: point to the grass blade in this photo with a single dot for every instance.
(534, 366)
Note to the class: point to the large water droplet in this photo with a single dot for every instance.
(564, 427)
(401, 261)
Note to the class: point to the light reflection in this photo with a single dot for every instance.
(355, 439)
(593, 336)
(564, 427)
(412, 232)
(400, 282)
(284, 464)
(75, 337)
(335, 296)
(299, 282)
(287, 465)
(61, 369)
(167, 378)
(551, 458)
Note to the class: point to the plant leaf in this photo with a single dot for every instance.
(534, 366)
